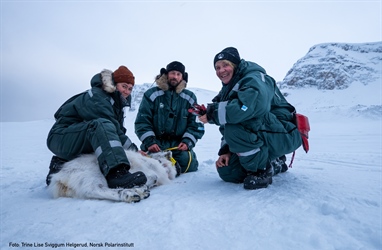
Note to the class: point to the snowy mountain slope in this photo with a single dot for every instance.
(333, 75)
(329, 199)
(336, 66)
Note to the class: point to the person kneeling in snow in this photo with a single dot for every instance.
(163, 123)
(255, 120)
(92, 122)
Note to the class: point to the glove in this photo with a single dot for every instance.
(197, 109)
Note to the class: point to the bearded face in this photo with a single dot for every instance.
(174, 78)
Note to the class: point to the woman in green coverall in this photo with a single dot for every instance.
(92, 122)
(256, 122)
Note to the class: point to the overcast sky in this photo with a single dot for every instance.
(51, 49)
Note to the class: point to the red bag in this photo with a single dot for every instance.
(303, 127)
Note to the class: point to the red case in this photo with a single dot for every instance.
(303, 126)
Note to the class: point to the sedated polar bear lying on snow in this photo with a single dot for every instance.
(82, 178)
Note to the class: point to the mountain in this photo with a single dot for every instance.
(336, 66)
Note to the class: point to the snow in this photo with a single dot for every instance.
(329, 199)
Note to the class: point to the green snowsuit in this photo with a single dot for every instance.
(163, 119)
(255, 120)
(92, 122)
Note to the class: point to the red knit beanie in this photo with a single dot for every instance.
(123, 74)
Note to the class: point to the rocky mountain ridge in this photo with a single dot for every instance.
(336, 66)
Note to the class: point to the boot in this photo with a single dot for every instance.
(279, 165)
(120, 177)
(259, 179)
(284, 166)
(276, 164)
(54, 167)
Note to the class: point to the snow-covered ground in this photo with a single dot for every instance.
(329, 199)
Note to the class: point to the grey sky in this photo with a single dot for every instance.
(51, 49)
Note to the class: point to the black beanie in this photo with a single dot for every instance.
(178, 66)
(231, 54)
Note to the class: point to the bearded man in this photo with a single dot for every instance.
(163, 121)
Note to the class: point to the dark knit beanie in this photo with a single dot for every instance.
(231, 54)
(123, 74)
(178, 66)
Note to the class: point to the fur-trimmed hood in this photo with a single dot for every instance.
(162, 82)
(104, 80)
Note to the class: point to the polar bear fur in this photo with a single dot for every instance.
(82, 178)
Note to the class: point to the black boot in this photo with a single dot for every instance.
(284, 166)
(276, 164)
(54, 167)
(120, 177)
(259, 179)
(279, 165)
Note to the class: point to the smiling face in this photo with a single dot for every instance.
(124, 88)
(224, 70)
